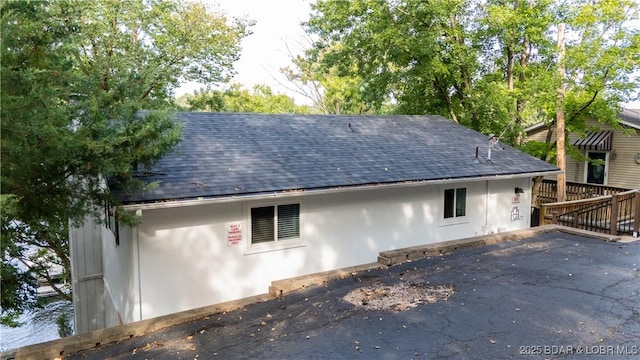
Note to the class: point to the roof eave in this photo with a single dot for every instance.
(292, 193)
(540, 125)
(629, 124)
(535, 127)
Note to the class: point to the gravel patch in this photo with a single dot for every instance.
(398, 297)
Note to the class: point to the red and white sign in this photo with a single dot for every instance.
(234, 234)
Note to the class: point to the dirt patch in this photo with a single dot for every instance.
(398, 297)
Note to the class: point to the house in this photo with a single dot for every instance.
(247, 199)
(617, 147)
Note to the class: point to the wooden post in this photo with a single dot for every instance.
(560, 138)
(636, 215)
(543, 215)
(613, 224)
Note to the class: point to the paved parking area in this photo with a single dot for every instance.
(554, 295)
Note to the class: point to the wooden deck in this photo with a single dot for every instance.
(603, 209)
(575, 191)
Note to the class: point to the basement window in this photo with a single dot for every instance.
(276, 223)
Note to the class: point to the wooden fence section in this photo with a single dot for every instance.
(613, 214)
(575, 191)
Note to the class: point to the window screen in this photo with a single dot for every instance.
(461, 202)
(262, 226)
(288, 221)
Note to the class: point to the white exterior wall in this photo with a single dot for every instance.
(180, 257)
(87, 275)
(622, 171)
(120, 278)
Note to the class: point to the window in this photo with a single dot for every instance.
(596, 168)
(275, 223)
(455, 203)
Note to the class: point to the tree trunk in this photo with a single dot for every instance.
(560, 134)
(535, 189)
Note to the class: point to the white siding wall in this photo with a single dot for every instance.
(87, 276)
(185, 261)
(622, 171)
(120, 278)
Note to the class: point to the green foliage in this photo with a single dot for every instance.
(260, 99)
(18, 287)
(414, 54)
(540, 149)
(330, 92)
(75, 77)
(64, 325)
(491, 65)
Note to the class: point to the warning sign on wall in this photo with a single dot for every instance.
(234, 234)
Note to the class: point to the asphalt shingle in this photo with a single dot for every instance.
(230, 154)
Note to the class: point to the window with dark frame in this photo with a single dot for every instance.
(455, 203)
(596, 167)
(275, 223)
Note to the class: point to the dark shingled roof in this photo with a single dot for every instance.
(631, 116)
(231, 154)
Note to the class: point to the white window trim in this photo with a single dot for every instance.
(272, 245)
(606, 167)
(442, 221)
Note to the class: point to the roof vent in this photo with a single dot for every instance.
(493, 144)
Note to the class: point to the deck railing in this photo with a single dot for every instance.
(613, 214)
(575, 191)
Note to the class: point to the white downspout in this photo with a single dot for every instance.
(136, 266)
(486, 206)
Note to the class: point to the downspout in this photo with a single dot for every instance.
(136, 258)
(531, 204)
(486, 206)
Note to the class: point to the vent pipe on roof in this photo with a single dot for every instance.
(493, 142)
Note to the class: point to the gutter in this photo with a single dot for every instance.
(535, 127)
(629, 124)
(620, 120)
(295, 193)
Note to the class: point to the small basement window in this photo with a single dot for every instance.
(275, 223)
(455, 203)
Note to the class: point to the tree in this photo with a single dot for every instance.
(599, 71)
(490, 65)
(260, 99)
(329, 92)
(75, 77)
(415, 54)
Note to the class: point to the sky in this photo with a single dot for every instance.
(265, 51)
(276, 32)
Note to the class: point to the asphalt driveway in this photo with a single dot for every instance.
(554, 295)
